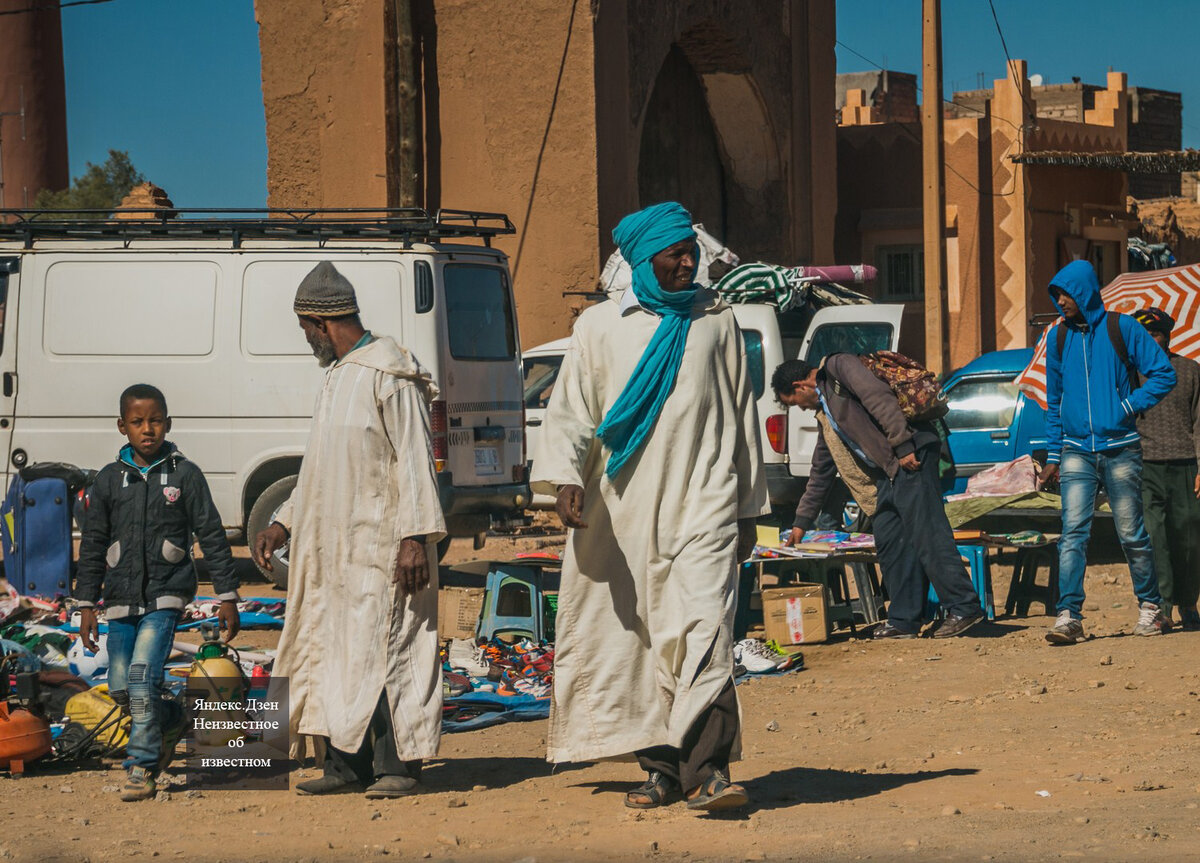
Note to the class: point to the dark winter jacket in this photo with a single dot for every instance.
(137, 537)
(1091, 404)
(867, 412)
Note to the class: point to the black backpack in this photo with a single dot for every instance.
(1113, 321)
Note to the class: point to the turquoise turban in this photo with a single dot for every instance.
(641, 236)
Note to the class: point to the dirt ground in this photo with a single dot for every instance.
(994, 746)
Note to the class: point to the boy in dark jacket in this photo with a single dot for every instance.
(136, 552)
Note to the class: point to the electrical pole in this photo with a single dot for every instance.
(937, 328)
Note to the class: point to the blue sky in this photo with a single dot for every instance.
(1154, 43)
(178, 83)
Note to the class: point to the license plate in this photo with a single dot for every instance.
(487, 460)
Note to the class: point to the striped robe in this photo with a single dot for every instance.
(645, 614)
(366, 483)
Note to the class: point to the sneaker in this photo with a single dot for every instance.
(756, 656)
(787, 660)
(1151, 620)
(1066, 630)
(468, 657)
(139, 786)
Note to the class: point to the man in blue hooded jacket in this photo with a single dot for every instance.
(1092, 403)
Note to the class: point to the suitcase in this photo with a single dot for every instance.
(35, 532)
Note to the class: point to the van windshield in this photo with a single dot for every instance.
(855, 338)
(479, 313)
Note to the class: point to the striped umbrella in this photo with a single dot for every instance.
(1176, 291)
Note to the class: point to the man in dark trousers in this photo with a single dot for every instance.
(864, 432)
(1170, 485)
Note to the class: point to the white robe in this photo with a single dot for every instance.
(645, 616)
(366, 483)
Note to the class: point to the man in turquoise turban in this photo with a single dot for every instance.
(650, 442)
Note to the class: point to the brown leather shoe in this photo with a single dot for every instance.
(955, 624)
(886, 630)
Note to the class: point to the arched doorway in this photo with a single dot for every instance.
(680, 158)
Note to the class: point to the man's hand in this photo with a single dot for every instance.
(89, 630)
(910, 462)
(267, 543)
(747, 538)
(412, 566)
(228, 619)
(1050, 473)
(795, 537)
(569, 506)
(1196, 486)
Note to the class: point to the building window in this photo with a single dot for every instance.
(901, 273)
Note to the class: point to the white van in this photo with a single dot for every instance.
(787, 437)
(202, 308)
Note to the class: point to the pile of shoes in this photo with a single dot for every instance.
(523, 668)
(751, 656)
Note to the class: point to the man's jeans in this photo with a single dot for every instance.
(1121, 472)
(138, 648)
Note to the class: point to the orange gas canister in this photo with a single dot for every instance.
(23, 738)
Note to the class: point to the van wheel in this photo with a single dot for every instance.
(443, 546)
(261, 515)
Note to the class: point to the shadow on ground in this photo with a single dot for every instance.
(463, 774)
(797, 785)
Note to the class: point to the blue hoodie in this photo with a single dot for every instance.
(1098, 407)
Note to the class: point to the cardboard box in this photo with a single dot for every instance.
(458, 611)
(795, 615)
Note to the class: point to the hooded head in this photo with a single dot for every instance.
(1078, 281)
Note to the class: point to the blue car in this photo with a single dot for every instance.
(990, 420)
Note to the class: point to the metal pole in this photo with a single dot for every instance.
(937, 327)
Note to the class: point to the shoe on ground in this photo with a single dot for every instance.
(718, 794)
(1151, 620)
(756, 656)
(327, 784)
(886, 630)
(387, 787)
(787, 660)
(957, 624)
(1066, 630)
(1189, 619)
(471, 659)
(139, 786)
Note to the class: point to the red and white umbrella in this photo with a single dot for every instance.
(1176, 291)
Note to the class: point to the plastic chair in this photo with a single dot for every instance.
(1024, 590)
(981, 578)
(513, 603)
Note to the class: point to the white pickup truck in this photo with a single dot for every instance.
(788, 436)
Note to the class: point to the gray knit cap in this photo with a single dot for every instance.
(325, 293)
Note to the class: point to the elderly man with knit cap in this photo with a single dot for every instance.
(359, 647)
(650, 443)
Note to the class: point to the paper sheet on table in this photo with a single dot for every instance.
(768, 536)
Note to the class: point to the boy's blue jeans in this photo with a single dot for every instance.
(138, 648)
(1079, 475)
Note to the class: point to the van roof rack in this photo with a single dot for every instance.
(408, 224)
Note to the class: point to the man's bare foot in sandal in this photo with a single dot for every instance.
(716, 794)
(657, 790)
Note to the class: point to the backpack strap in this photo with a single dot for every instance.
(1113, 320)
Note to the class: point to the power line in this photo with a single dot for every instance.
(45, 7)
(1012, 67)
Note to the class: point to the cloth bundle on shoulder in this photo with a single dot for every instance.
(917, 389)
